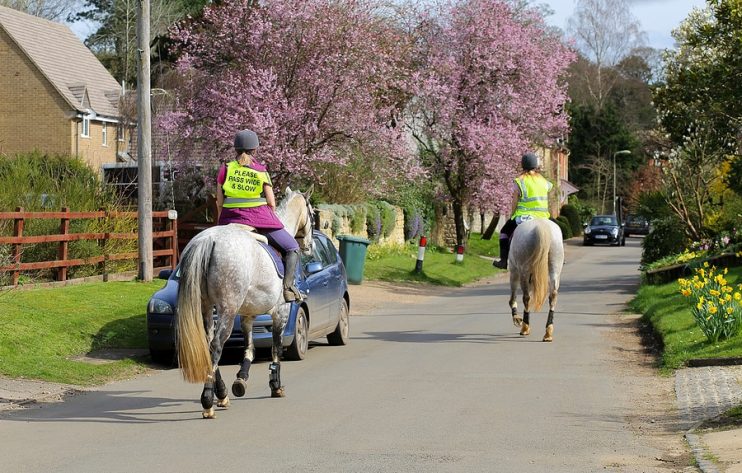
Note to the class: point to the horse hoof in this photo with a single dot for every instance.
(223, 403)
(525, 330)
(239, 387)
(208, 413)
(278, 392)
(517, 321)
(548, 337)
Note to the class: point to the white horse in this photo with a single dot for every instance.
(224, 267)
(535, 262)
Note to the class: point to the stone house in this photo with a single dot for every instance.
(55, 96)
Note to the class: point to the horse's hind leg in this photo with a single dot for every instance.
(217, 335)
(525, 328)
(517, 321)
(277, 390)
(549, 335)
(239, 386)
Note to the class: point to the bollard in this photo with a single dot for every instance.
(421, 254)
(460, 253)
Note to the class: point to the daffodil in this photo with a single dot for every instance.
(685, 292)
(737, 296)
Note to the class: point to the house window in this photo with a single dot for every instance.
(85, 126)
(104, 134)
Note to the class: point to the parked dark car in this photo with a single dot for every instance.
(636, 225)
(604, 229)
(323, 313)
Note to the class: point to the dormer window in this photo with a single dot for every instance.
(85, 133)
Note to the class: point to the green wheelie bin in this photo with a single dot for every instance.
(353, 254)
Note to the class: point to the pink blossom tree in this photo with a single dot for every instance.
(490, 87)
(316, 79)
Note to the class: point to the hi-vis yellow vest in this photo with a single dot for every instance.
(243, 186)
(534, 196)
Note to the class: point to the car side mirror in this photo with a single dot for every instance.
(313, 267)
(165, 274)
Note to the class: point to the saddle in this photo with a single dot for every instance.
(263, 241)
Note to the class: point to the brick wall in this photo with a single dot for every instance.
(33, 115)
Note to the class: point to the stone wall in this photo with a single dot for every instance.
(325, 218)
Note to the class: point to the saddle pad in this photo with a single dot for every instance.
(275, 256)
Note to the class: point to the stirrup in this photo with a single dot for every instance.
(502, 264)
(292, 294)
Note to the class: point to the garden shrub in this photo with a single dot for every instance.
(572, 215)
(373, 221)
(388, 217)
(666, 238)
(564, 226)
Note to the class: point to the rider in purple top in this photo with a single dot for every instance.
(245, 196)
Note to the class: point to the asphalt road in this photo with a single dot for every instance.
(444, 385)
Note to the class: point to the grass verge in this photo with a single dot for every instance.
(670, 314)
(397, 264)
(41, 330)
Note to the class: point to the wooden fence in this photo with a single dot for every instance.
(164, 235)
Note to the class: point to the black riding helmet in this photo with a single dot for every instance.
(529, 161)
(246, 140)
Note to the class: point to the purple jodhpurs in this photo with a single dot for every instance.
(279, 238)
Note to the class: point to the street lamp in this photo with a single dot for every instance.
(617, 153)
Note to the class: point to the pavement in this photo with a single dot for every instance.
(702, 393)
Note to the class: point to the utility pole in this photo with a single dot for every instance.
(144, 143)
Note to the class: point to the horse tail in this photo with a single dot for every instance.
(540, 268)
(194, 357)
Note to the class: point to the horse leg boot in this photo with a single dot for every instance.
(274, 368)
(207, 398)
(549, 335)
(525, 328)
(222, 397)
(290, 291)
(504, 253)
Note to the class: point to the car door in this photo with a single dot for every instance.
(319, 290)
(335, 276)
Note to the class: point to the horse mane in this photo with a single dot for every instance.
(284, 204)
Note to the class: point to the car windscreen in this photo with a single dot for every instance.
(608, 220)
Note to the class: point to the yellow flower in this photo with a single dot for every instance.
(727, 297)
(701, 272)
(713, 309)
(705, 264)
(730, 311)
(714, 292)
(737, 296)
(726, 270)
(699, 306)
(685, 292)
(701, 299)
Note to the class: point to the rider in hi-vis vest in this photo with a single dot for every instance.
(245, 196)
(530, 200)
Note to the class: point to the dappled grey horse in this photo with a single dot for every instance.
(535, 263)
(225, 268)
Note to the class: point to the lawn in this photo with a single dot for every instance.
(670, 315)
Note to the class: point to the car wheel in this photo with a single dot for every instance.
(623, 241)
(163, 357)
(298, 348)
(341, 334)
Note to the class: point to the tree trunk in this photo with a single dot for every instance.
(487, 234)
(458, 217)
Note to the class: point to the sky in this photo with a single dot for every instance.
(657, 17)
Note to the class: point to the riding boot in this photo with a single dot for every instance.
(290, 291)
(504, 251)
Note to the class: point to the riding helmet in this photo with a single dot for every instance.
(246, 140)
(529, 161)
